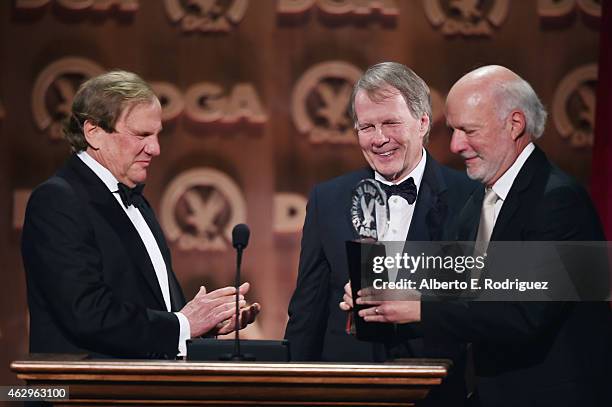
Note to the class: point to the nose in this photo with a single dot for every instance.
(379, 137)
(152, 146)
(457, 144)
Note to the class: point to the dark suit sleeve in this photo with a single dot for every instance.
(563, 214)
(308, 309)
(64, 275)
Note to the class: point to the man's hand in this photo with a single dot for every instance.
(347, 298)
(397, 312)
(247, 316)
(393, 311)
(206, 310)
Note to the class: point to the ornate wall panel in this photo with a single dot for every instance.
(255, 97)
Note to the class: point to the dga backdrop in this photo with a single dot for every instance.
(255, 96)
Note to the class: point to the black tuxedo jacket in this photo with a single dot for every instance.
(91, 284)
(316, 327)
(533, 353)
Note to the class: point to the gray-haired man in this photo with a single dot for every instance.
(391, 109)
(99, 273)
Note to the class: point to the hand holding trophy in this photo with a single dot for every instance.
(370, 218)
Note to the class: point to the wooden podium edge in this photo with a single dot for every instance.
(225, 383)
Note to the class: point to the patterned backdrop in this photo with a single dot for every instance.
(255, 96)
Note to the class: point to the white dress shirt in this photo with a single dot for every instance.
(400, 211)
(394, 234)
(147, 239)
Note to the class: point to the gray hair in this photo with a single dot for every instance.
(518, 94)
(378, 78)
(102, 100)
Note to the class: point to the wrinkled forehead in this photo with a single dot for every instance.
(128, 107)
(380, 93)
(466, 107)
(471, 95)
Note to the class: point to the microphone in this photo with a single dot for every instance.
(240, 240)
(240, 236)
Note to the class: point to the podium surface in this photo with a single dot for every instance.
(146, 382)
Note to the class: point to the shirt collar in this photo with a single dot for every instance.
(504, 183)
(416, 173)
(102, 172)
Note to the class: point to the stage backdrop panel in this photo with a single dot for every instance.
(255, 97)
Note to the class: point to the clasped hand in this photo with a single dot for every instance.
(214, 313)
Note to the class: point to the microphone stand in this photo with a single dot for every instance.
(237, 356)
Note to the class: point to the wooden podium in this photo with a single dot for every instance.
(144, 382)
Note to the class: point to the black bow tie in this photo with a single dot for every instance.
(406, 190)
(131, 196)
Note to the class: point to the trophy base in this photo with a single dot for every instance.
(360, 256)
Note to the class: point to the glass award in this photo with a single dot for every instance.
(369, 210)
(370, 218)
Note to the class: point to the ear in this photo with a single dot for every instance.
(423, 125)
(92, 133)
(517, 123)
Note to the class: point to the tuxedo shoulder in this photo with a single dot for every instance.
(563, 191)
(458, 180)
(55, 190)
(565, 208)
(546, 177)
(345, 181)
(558, 179)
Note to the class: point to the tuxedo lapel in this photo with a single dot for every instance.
(516, 194)
(177, 300)
(109, 208)
(430, 206)
(469, 217)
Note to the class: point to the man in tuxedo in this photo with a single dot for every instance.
(391, 111)
(99, 273)
(554, 353)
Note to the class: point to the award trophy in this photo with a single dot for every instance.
(370, 218)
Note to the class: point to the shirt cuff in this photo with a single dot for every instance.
(184, 333)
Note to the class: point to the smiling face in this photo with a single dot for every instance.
(390, 138)
(127, 152)
(486, 142)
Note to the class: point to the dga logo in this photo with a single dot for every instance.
(574, 106)
(54, 90)
(466, 17)
(170, 98)
(320, 102)
(209, 102)
(199, 209)
(369, 209)
(98, 6)
(339, 8)
(206, 15)
(559, 10)
(289, 212)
